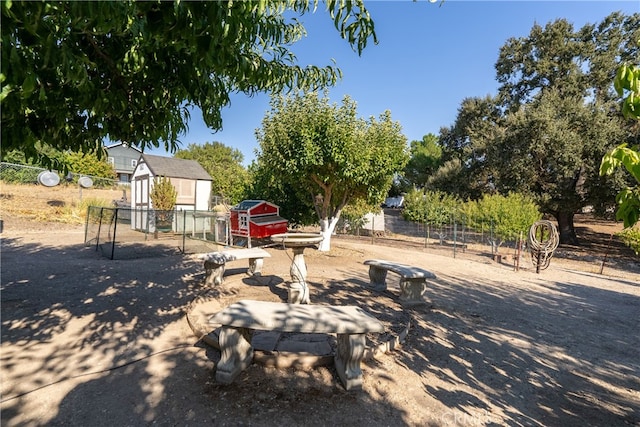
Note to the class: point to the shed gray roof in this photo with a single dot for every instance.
(175, 168)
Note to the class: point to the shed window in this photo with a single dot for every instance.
(186, 189)
(243, 221)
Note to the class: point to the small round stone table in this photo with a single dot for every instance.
(298, 289)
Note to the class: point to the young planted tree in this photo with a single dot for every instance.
(507, 217)
(163, 197)
(324, 156)
(435, 208)
(131, 70)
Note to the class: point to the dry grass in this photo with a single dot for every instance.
(65, 203)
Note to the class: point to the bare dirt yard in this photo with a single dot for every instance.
(86, 341)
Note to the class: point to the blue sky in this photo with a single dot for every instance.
(429, 58)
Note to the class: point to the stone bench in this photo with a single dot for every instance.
(215, 262)
(240, 319)
(413, 280)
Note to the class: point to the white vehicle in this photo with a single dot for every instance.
(394, 202)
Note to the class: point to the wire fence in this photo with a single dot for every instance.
(125, 233)
(455, 238)
(25, 174)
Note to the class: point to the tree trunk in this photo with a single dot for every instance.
(565, 228)
(327, 227)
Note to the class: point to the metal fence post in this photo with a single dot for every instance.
(184, 229)
(115, 225)
(455, 237)
(99, 229)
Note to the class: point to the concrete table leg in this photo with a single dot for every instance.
(237, 353)
(348, 358)
(214, 272)
(255, 267)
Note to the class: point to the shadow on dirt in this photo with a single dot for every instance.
(542, 358)
(106, 339)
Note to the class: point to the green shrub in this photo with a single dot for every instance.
(163, 194)
(507, 216)
(433, 207)
(631, 238)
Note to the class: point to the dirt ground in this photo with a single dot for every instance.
(87, 341)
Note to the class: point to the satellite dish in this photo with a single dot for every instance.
(85, 182)
(48, 178)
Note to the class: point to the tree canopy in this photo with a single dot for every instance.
(322, 156)
(554, 117)
(224, 164)
(424, 161)
(76, 72)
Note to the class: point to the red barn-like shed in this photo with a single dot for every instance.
(256, 219)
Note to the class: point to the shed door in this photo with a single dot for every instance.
(141, 202)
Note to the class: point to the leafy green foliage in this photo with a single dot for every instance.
(163, 194)
(467, 150)
(224, 164)
(631, 238)
(628, 198)
(433, 207)
(75, 72)
(321, 156)
(425, 159)
(627, 82)
(508, 216)
(265, 185)
(78, 164)
(553, 119)
(354, 213)
(89, 164)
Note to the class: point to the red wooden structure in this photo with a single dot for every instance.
(256, 219)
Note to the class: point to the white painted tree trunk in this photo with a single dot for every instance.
(326, 229)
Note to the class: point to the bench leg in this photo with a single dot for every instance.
(378, 278)
(214, 272)
(411, 291)
(255, 267)
(237, 353)
(347, 359)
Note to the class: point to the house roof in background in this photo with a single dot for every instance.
(172, 167)
(123, 145)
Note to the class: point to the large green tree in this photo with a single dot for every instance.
(224, 164)
(324, 156)
(425, 159)
(557, 82)
(75, 72)
(466, 168)
(552, 149)
(555, 116)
